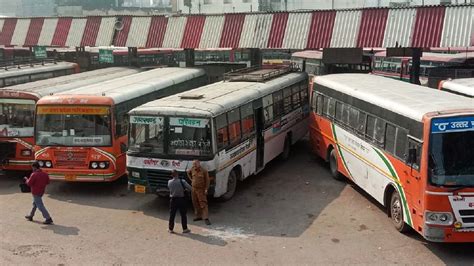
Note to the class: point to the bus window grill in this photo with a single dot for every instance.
(256, 74)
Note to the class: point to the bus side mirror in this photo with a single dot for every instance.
(411, 156)
(123, 147)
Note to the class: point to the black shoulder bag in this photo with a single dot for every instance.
(187, 193)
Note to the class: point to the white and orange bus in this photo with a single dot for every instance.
(81, 135)
(406, 146)
(464, 87)
(19, 73)
(17, 112)
(233, 127)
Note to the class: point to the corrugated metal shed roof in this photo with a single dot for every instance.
(174, 32)
(321, 28)
(212, 32)
(193, 32)
(76, 31)
(156, 32)
(278, 30)
(458, 27)
(297, 29)
(255, 31)
(106, 32)
(122, 35)
(372, 28)
(21, 29)
(346, 28)
(34, 31)
(428, 27)
(62, 32)
(399, 27)
(91, 30)
(138, 33)
(232, 29)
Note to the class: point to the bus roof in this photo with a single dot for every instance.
(126, 88)
(438, 57)
(462, 86)
(28, 70)
(407, 99)
(310, 54)
(217, 98)
(51, 86)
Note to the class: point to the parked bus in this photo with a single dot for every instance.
(464, 87)
(234, 128)
(81, 134)
(406, 146)
(399, 67)
(17, 112)
(23, 72)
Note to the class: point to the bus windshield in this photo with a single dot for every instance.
(184, 136)
(16, 117)
(73, 126)
(451, 160)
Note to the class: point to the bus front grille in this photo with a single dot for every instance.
(158, 179)
(70, 159)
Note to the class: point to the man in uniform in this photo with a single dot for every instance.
(200, 182)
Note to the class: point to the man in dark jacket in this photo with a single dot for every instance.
(177, 187)
(37, 182)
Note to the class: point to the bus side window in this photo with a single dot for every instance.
(379, 133)
(248, 124)
(268, 109)
(233, 117)
(412, 144)
(339, 111)
(278, 110)
(295, 90)
(331, 107)
(369, 130)
(401, 143)
(222, 134)
(287, 100)
(353, 118)
(319, 104)
(304, 93)
(390, 132)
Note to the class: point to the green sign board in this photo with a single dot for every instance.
(40, 52)
(106, 56)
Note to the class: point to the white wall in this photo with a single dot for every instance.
(218, 6)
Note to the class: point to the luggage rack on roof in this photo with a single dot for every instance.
(256, 74)
(24, 63)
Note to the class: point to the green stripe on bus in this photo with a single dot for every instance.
(339, 149)
(397, 183)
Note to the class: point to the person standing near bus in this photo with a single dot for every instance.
(37, 182)
(178, 201)
(200, 182)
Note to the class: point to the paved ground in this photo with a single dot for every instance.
(292, 213)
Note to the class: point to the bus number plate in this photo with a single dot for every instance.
(70, 177)
(140, 189)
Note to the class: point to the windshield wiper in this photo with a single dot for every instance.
(55, 144)
(457, 188)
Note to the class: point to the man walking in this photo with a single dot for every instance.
(37, 182)
(200, 182)
(177, 187)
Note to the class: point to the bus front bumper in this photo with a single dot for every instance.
(80, 175)
(16, 165)
(448, 234)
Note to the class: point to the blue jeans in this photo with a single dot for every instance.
(38, 204)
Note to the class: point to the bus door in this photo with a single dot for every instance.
(259, 126)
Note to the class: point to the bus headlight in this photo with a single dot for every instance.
(135, 174)
(25, 152)
(99, 165)
(48, 164)
(41, 163)
(438, 218)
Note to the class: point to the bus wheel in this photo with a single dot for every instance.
(286, 149)
(231, 186)
(396, 212)
(333, 165)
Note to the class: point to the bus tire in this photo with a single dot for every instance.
(231, 186)
(396, 213)
(333, 165)
(285, 155)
